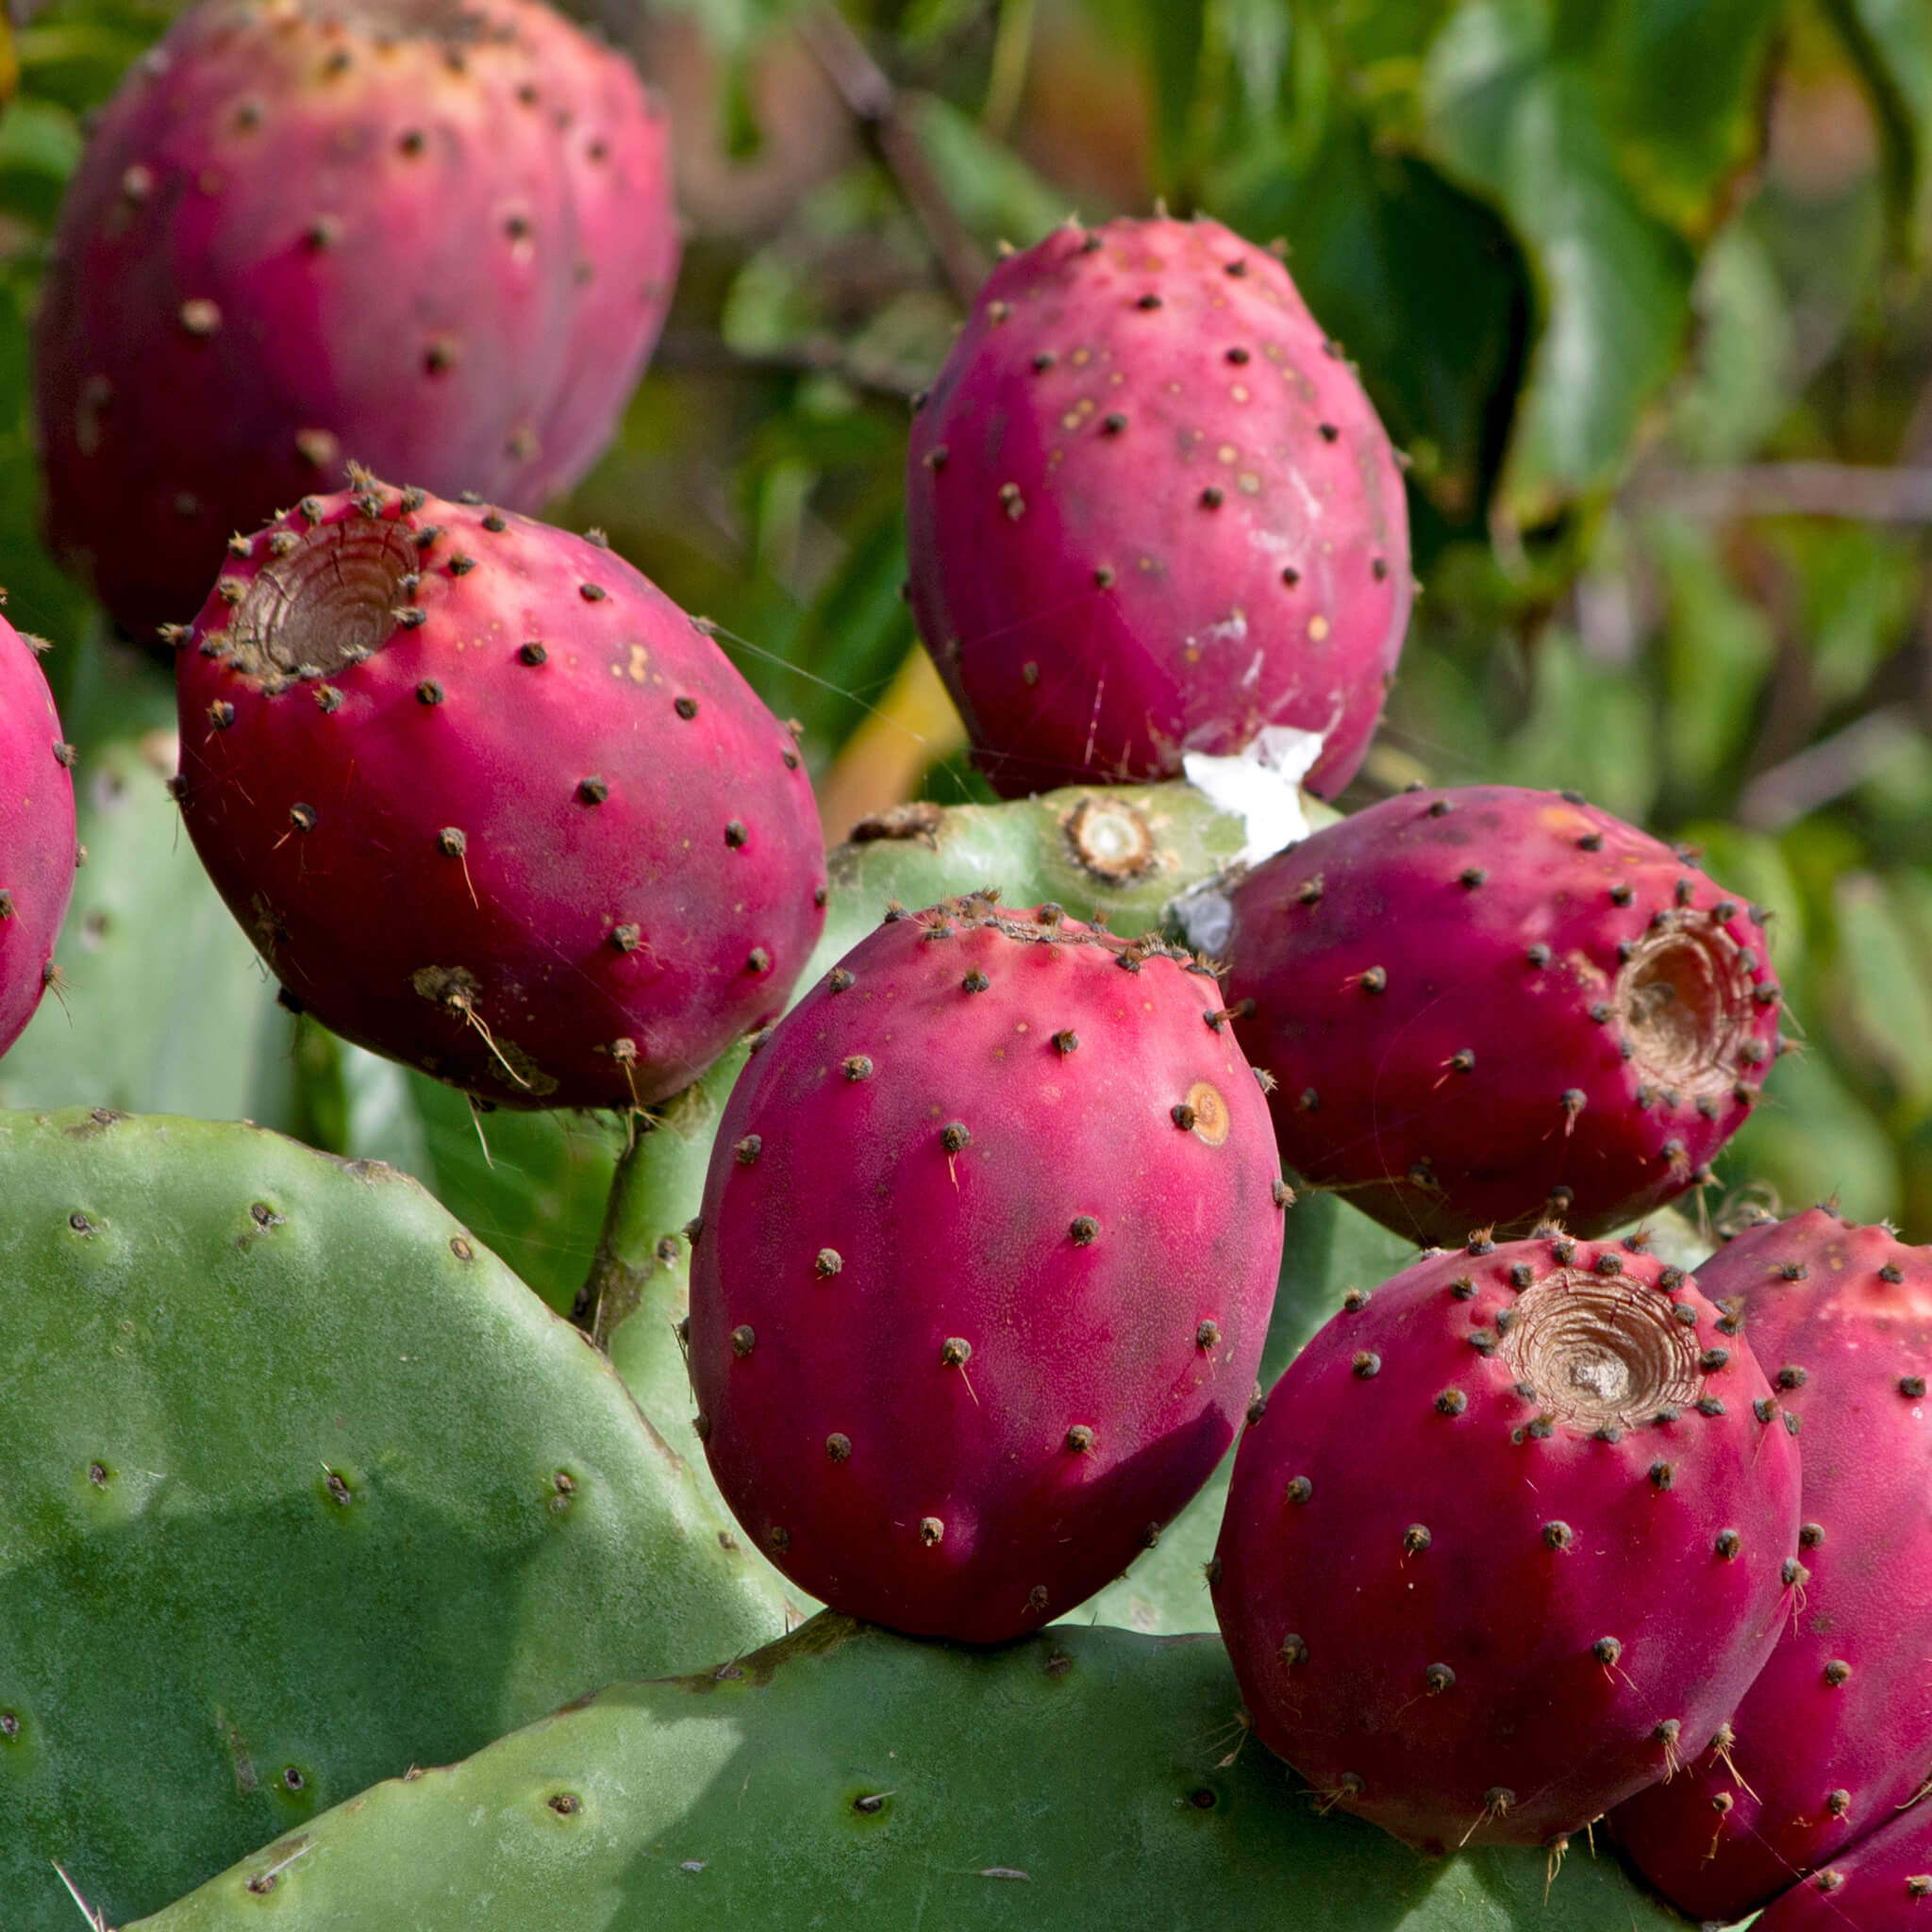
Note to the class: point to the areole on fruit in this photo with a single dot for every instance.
(1599, 1354)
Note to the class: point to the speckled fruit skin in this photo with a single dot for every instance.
(1487, 1005)
(988, 1251)
(1150, 511)
(1477, 1576)
(488, 802)
(37, 850)
(1884, 1886)
(434, 236)
(1836, 1734)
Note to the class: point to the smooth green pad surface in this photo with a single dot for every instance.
(298, 1486)
(848, 1777)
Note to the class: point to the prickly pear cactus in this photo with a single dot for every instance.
(1485, 1004)
(303, 1487)
(1150, 512)
(850, 1777)
(989, 1241)
(1834, 1738)
(36, 833)
(426, 756)
(434, 238)
(1509, 1541)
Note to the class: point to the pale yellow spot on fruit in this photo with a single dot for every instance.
(1071, 420)
(1250, 483)
(1081, 358)
(1239, 392)
(639, 657)
(1227, 453)
(1318, 627)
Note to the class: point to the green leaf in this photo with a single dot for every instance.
(1810, 1139)
(1518, 118)
(1884, 1009)
(1424, 284)
(1890, 43)
(281, 1466)
(1680, 83)
(1717, 647)
(850, 1777)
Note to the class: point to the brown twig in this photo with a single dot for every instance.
(1826, 770)
(697, 349)
(1864, 492)
(874, 103)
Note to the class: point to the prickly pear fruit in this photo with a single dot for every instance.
(488, 802)
(1885, 1885)
(37, 851)
(1486, 1004)
(987, 1249)
(1150, 512)
(435, 237)
(1508, 1541)
(1836, 1734)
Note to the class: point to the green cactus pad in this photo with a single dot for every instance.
(1122, 852)
(302, 1486)
(849, 1777)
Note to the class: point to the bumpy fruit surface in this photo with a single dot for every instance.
(433, 236)
(988, 1251)
(37, 851)
(1486, 1006)
(488, 802)
(1836, 1734)
(1509, 1541)
(1151, 511)
(1882, 1886)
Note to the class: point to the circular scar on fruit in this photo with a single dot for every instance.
(331, 602)
(1685, 997)
(1599, 1354)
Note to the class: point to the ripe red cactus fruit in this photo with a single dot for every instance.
(1487, 1005)
(436, 238)
(988, 1251)
(1883, 1884)
(37, 849)
(1508, 1541)
(1151, 511)
(488, 802)
(1835, 1735)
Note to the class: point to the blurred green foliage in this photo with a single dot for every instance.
(1609, 268)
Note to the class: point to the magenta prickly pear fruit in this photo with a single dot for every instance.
(1486, 1006)
(434, 238)
(1836, 1734)
(1882, 1886)
(1151, 511)
(985, 1261)
(1508, 1541)
(488, 802)
(37, 849)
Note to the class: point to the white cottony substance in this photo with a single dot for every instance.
(1261, 786)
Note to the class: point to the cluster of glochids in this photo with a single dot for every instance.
(990, 1238)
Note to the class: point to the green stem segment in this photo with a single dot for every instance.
(642, 1253)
